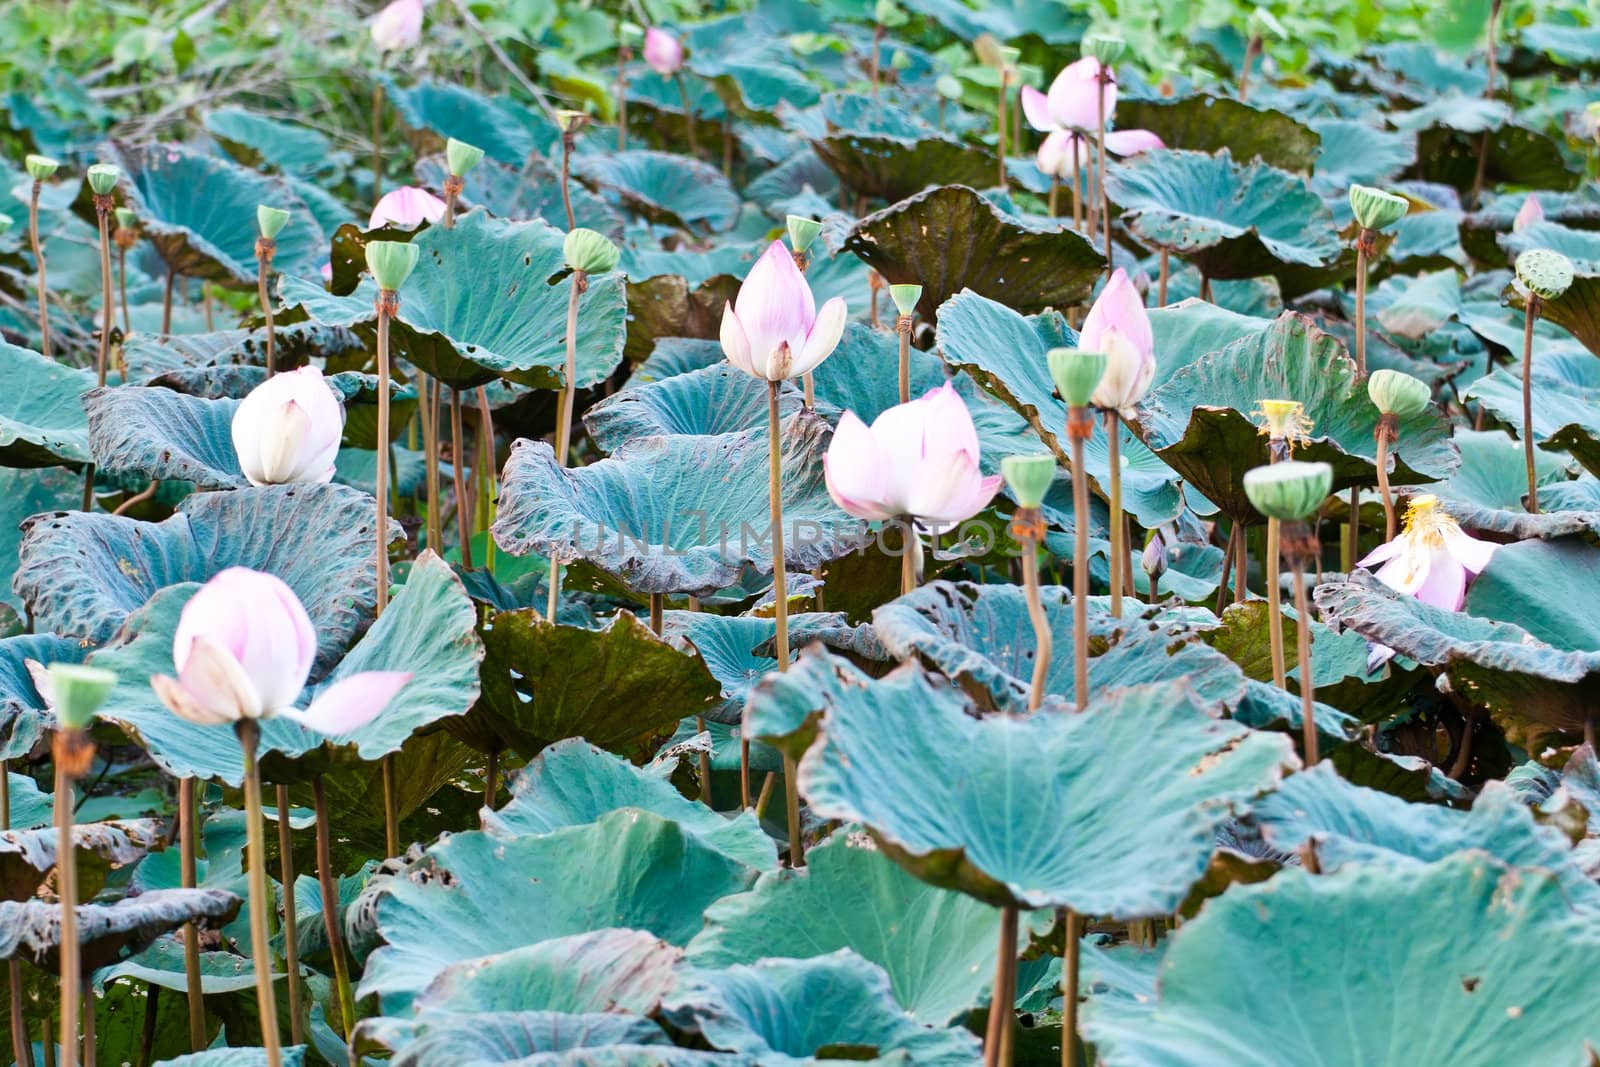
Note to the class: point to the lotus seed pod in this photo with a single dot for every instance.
(271, 220)
(630, 35)
(900, 60)
(948, 86)
(391, 262)
(127, 219)
(1262, 23)
(1076, 373)
(77, 692)
(1028, 478)
(570, 121)
(1105, 47)
(1375, 209)
(1009, 57)
(103, 178)
(905, 297)
(461, 157)
(802, 231)
(590, 251)
(41, 167)
(1290, 491)
(1399, 394)
(6, 222)
(987, 48)
(1546, 273)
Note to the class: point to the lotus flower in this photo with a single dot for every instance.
(663, 52)
(398, 26)
(772, 328)
(407, 206)
(288, 429)
(918, 459)
(1431, 559)
(1072, 102)
(1056, 151)
(244, 648)
(1531, 212)
(1119, 326)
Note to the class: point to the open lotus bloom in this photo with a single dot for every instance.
(663, 52)
(398, 25)
(772, 328)
(1431, 559)
(1072, 102)
(288, 429)
(406, 206)
(918, 459)
(1119, 326)
(1529, 213)
(243, 650)
(1064, 153)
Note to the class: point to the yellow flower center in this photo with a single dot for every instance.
(1283, 420)
(1426, 522)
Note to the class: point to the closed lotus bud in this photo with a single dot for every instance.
(271, 220)
(1529, 213)
(461, 156)
(1153, 561)
(802, 232)
(1399, 394)
(1375, 209)
(127, 219)
(397, 26)
(1077, 373)
(391, 262)
(1546, 273)
(988, 49)
(41, 167)
(103, 178)
(663, 52)
(77, 692)
(1106, 48)
(590, 251)
(1290, 491)
(288, 429)
(905, 297)
(1028, 478)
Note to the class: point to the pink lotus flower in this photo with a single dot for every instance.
(244, 648)
(1431, 558)
(1119, 326)
(663, 52)
(1073, 100)
(288, 429)
(398, 26)
(1531, 212)
(918, 459)
(772, 328)
(1056, 151)
(406, 206)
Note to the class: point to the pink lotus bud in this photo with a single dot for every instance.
(398, 26)
(1431, 558)
(918, 459)
(1073, 100)
(772, 328)
(1063, 154)
(663, 52)
(288, 429)
(1119, 326)
(244, 648)
(406, 206)
(1531, 212)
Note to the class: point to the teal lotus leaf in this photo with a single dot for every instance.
(529, 1037)
(1091, 843)
(32, 929)
(531, 190)
(41, 416)
(1205, 123)
(28, 856)
(163, 435)
(665, 188)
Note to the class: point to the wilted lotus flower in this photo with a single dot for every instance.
(407, 206)
(772, 328)
(1119, 326)
(398, 26)
(244, 648)
(1072, 103)
(1431, 559)
(663, 52)
(1531, 212)
(288, 429)
(918, 459)
(1056, 151)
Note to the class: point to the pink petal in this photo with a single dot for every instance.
(1121, 306)
(948, 429)
(398, 26)
(1036, 108)
(824, 336)
(1062, 155)
(260, 623)
(1074, 96)
(1446, 584)
(1129, 372)
(734, 343)
(351, 703)
(1473, 555)
(1385, 551)
(1531, 212)
(1131, 142)
(663, 52)
(952, 491)
(775, 307)
(182, 703)
(855, 470)
(407, 206)
(218, 684)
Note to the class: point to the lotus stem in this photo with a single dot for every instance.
(1079, 426)
(388, 303)
(291, 935)
(330, 908)
(1077, 189)
(187, 835)
(568, 137)
(453, 184)
(205, 303)
(624, 54)
(1104, 77)
(1119, 546)
(122, 293)
(1027, 526)
(1388, 430)
(1055, 193)
(428, 414)
(1275, 606)
(1071, 953)
(908, 556)
(1529, 315)
(580, 282)
(1354, 527)
(458, 459)
(47, 1039)
(1161, 282)
(71, 750)
(249, 733)
(391, 807)
(1002, 999)
(1301, 549)
(1000, 122)
(152, 1015)
(102, 212)
(1251, 51)
(1228, 555)
(704, 763)
(377, 136)
(38, 262)
(780, 595)
(491, 777)
(265, 248)
(21, 1047)
(1463, 760)
(872, 67)
(166, 302)
(486, 471)
(688, 116)
(1364, 243)
(902, 326)
(87, 993)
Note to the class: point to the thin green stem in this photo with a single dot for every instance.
(263, 272)
(1275, 605)
(566, 176)
(166, 302)
(1070, 956)
(1389, 525)
(391, 813)
(387, 301)
(903, 327)
(491, 778)
(1361, 306)
(1303, 652)
(1528, 317)
(1042, 641)
(249, 732)
(188, 833)
(458, 460)
(1119, 547)
(122, 293)
(67, 886)
(688, 116)
(908, 556)
(1000, 122)
(1080, 571)
(780, 594)
(102, 210)
(38, 263)
(330, 909)
(291, 933)
(21, 1047)
(1100, 157)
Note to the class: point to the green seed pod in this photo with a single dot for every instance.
(41, 167)
(1399, 394)
(905, 297)
(1105, 47)
(1290, 491)
(461, 156)
(590, 252)
(900, 60)
(802, 232)
(948, 86)
(1028, 478)
(6, 222)
(571, 121)
(391, 262)
(78, 692)
(127, 219)
(103, 178)
(1545, 273)
(271, 220)
(1375, 209)
(1076, 373)
(1262, 23)
(630, 35)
